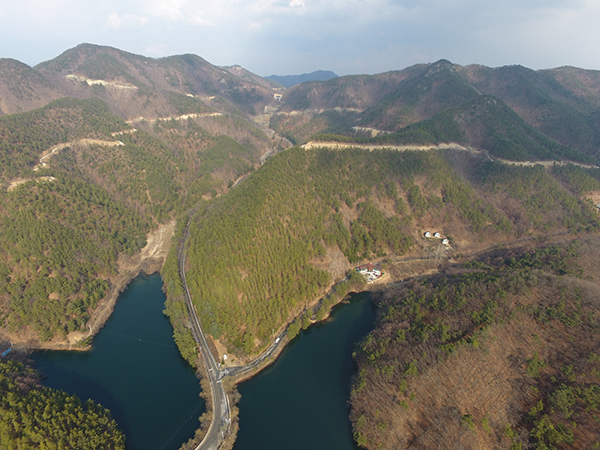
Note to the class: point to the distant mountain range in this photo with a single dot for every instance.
(288, 81)
(529, 114)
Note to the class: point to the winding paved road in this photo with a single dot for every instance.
(221, 421)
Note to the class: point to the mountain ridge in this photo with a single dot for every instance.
(288, 81)
(562, 103)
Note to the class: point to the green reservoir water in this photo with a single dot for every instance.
(301, 401)
(135, 370)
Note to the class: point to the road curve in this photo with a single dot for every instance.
(270, 351)
(221, 420)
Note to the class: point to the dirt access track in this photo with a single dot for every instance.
(450, 146)
(149, 260)
(49, 153)
(400, 148)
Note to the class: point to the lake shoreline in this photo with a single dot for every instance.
(135, 370)
(149, 260)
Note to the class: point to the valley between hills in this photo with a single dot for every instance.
(490, 341)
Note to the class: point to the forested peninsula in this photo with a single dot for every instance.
(33, 416)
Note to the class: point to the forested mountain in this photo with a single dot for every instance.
(561, 103)
(271, 247)
(483, 123)
(100, 147)
(190, 146)
(59, 242)
(66, 218)
(132, 85)
(503, 353)
(138, 86)
(81, 186)
(26, 136)
(347, 92)
(23, 88)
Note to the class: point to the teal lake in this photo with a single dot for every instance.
(135, 370)
(300, 402)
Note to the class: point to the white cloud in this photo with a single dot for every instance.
(156, 50)
(194, 12)
(116, 21)
(113, 21)
(251, 13)
(167, 9)
(199, 19)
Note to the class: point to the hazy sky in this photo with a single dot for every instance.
(298, 36)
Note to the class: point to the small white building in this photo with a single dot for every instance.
(427, 234)
(437, 235)
(370, 272)
(445, 241)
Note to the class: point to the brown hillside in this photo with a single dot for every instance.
(503, 356)
(585, 84)
(135, 86)
(23, 88)
(350, 92)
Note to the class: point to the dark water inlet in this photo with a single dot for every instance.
(301, 402)
(135, 370)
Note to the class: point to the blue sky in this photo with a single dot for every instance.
(298, 36)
